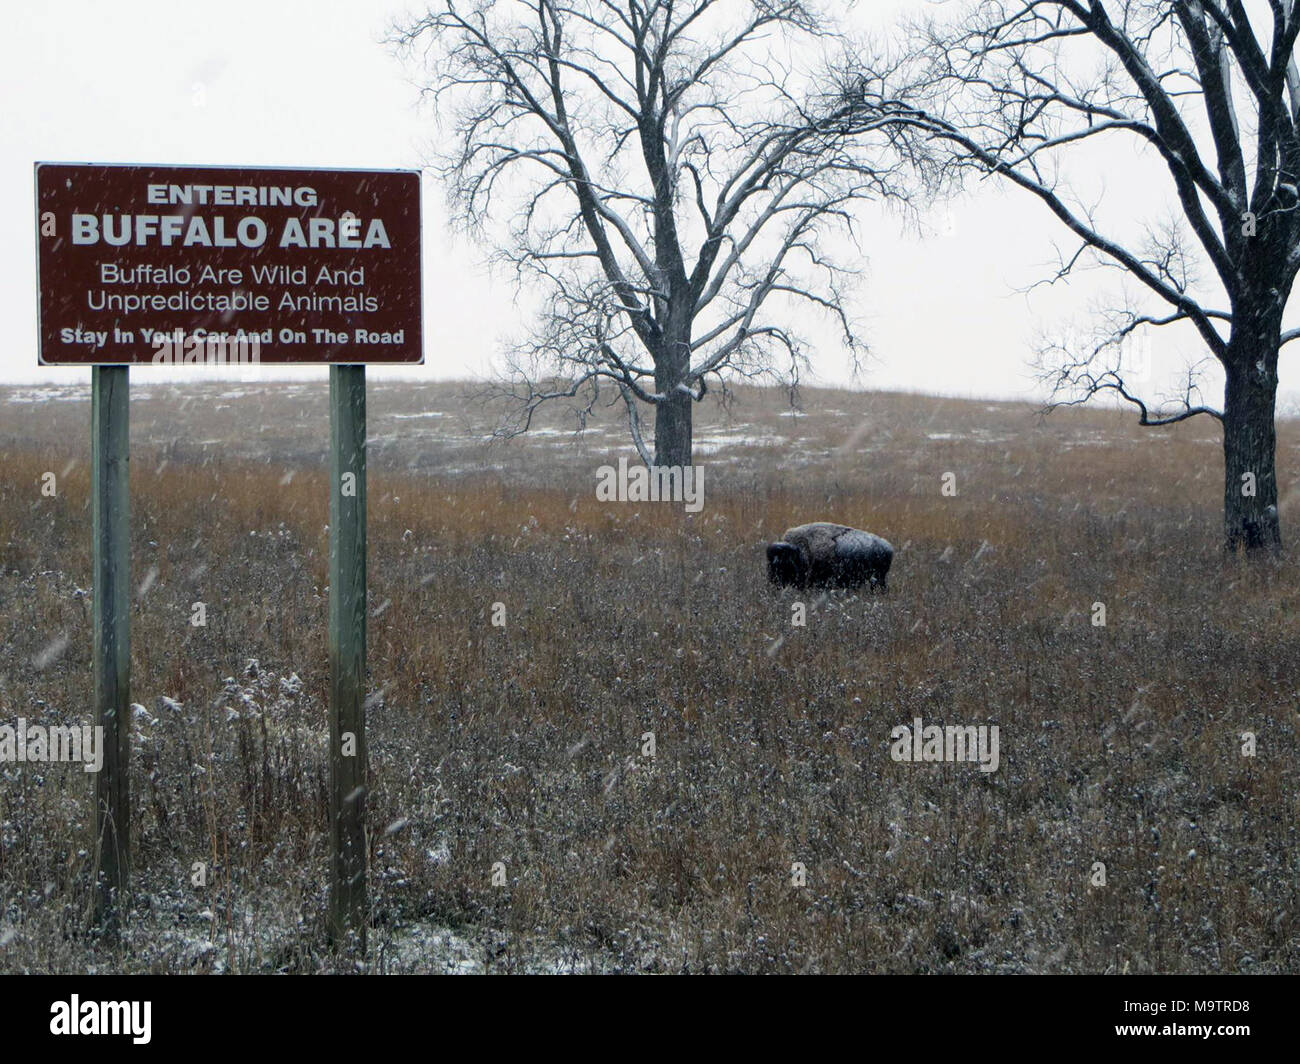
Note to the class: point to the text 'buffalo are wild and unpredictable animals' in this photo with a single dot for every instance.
(823, 554)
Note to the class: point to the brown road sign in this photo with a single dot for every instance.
(174, 264)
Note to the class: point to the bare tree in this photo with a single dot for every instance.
(1210, 89)
(672, 171)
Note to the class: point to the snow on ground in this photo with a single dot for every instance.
(716, 442)
(50, 393)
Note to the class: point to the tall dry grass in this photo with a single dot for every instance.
(522, 745)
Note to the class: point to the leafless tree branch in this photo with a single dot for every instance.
(678, 175)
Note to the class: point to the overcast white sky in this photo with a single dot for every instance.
(293, 83)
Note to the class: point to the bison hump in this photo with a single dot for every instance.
(817, 539)
(858, 544)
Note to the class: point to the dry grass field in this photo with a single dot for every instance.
(523, 745)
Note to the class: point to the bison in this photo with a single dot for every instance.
(823, 554)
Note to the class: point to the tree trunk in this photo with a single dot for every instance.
(673, 415)
(673, 431)
(1250, 515)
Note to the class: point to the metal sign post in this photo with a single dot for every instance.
(348, 783)
(110, 504)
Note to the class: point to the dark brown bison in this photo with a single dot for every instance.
(823, 554)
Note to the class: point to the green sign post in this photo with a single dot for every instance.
(151, 264)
